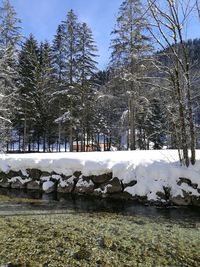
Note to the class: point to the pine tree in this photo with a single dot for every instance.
(156, 124)
(59, 55)
(28, 73)
(87, 69)
(10, 36)
(130, 47)
(130, 38)
(45, 113)
(6, 87)
(71, 27)
(59, 98)
(9, 40)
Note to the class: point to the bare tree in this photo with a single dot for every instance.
(198, 7)
(169, 20)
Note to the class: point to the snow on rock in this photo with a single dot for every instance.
(45, 178)
(84, 186)
(65, 183)
(19, 179)
(56, 177)
(84, 183)
(152, 171)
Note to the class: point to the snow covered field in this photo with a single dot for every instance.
(152, 171)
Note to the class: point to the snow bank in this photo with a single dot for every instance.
(151, 170)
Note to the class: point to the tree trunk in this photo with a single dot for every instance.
(19, 141)
(98, 146)
(71, 137)
(77, 145)
(65, 143)
(25, 135)
(59, 135)
(87, 142)
(84, 141)
(44, 145)
(132, 141)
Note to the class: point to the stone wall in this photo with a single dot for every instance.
(104, 185)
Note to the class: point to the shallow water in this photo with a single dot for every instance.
(63, 231)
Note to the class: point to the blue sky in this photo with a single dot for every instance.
(41, 17)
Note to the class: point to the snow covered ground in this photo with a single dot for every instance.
(152, 170)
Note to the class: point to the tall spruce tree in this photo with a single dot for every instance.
(130, 45)
(87, 69)
(59, 98)
(28, 73)
(69, 113)
(45, 114)
(59, 55)
(9, 40)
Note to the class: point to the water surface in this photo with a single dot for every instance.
(56, 230)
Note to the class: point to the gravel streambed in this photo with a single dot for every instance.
(79, 238)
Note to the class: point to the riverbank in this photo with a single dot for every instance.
(145, 176)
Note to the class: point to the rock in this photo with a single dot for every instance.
(18, 185)
(121, 195)
(165, 194)
(34, 185)
(84, 186)
(82, 254)
(35, 174)
(48, 187)
(114, 186)
(132, 183)
(46, 173)
(45, 178)
(196, 201)
(77, 174)
(167, 191)
(66, 186)
(12, 174)
(3, 175)
(4, 181)
(64, 177)
(97, 192)
(101, 179)
(161, 195)
(181, 201)
(67, 189)
(187, 181)
(55, 178)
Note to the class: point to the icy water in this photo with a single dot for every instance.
(51, 231)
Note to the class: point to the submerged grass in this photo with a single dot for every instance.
(14, 200)
(97, 239)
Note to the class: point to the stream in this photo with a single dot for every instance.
(39, 230)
